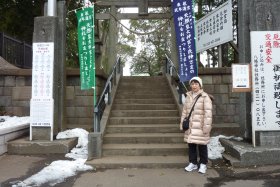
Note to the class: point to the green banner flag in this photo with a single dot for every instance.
(86, 46)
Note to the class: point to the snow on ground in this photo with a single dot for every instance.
(215, 149)
(59, 170)
(55, 173)
(81, 150)
(7, 121)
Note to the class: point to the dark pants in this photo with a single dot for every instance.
(203, 153)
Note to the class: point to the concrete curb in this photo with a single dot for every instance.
(242, 154)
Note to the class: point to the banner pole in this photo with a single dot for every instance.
(94, 78)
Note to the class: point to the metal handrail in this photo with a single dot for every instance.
(105, 97)
(170, 67)
(15, 52)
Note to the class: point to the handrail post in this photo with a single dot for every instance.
(119, 66)
(96, 127)
(115, 77)
(166, 66)
(24, 53)
(1, 44)
(109, 95)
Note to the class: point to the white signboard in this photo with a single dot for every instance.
(42, 104)
(42, 70)
(241, 78)
(41, 112)
(265, 58)
(215, 28)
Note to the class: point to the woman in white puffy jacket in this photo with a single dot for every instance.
(200, 124)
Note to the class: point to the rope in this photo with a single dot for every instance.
(90, 4)
(142, 33)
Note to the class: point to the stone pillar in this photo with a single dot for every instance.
(174, 50)
(112, 54)
(45, 30)
(244, 57)
(60, 65)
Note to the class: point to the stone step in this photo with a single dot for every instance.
(144, 107)
(233, 161)
(144, 120)
(143, 96)
(143, 91)
(167, 128)
(145, 101)
(143, 130)
(144, 113)
(145, 149)
(134, 79)
(141, 138)
(113, 162)
(140, 128)
(144, 85)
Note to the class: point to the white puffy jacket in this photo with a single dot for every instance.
(200, 120)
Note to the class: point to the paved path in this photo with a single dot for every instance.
(14, 168)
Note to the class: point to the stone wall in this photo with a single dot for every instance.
(218, 82)
(15, 95)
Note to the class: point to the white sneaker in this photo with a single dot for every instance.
(191, 167)
(202, 168)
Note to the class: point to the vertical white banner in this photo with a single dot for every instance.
(265, 59)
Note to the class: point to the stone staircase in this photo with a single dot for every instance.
(143, 127)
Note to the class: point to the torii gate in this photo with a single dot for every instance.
(143, 6)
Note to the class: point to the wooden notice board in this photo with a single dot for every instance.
(241, 78)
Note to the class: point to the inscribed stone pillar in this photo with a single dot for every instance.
(60, 65)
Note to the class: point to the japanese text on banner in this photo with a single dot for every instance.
(185, 38)
(86, 47)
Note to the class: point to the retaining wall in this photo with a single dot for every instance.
(15, 95)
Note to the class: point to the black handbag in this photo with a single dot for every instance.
(186, 121)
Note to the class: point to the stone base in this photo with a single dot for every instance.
(94, 145)
(24, 146)
(11, 133)
(242, 154)
(268, 138)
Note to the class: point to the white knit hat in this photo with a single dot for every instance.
(198, 80)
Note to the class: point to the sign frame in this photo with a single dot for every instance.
(206, 38)
(42, 102)
(265, 49)
(241, 77)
